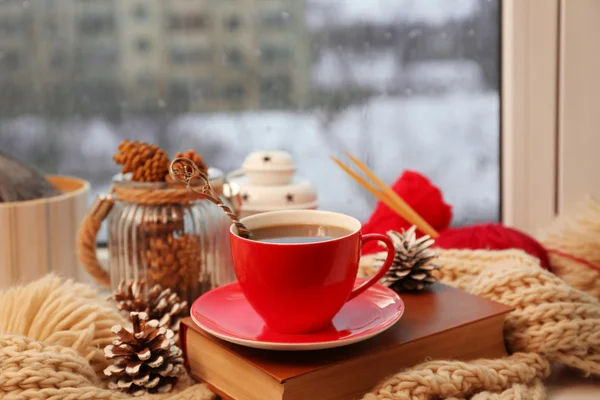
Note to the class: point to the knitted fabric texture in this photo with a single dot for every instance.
(52, 332)
(576, 233)
(552, 323)
(52, 335)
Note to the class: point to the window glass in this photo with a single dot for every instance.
(140, 11)
(275, 18)
(233, 23)
(402, 84)
(235, 57)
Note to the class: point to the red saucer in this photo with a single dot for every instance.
(225, 313)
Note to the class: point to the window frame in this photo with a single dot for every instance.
(529, 95)
(579, 104)
(550, 109)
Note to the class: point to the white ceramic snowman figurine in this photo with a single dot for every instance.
(266, 182)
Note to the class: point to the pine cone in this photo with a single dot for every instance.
(175, 261)
(146, 162)
(159, 303)
(144, 360)
(195, 157)
(411, 270)
(170, 219)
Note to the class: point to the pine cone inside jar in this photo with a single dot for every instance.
(145, 359)
(174, 261)
(195, 157)
(146, 162)
(163, 219)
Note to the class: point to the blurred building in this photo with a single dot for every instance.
(58, 57)
(18, 66)
(284, 63)
(141, 47)
(96, 58)
(231, 55)
(100, 56)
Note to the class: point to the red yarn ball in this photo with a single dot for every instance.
(492, 237)
(418, 192)
(427, 200)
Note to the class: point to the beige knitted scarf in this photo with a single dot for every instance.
(52, 331)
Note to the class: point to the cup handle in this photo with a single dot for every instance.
(384, 268)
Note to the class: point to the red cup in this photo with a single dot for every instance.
(299, 288)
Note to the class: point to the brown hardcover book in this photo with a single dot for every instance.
(439, 323)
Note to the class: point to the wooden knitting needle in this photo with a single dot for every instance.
(387, 196)
(409, 213)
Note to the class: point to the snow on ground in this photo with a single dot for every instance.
(337, 70)
(382, 71)
(444, 76)
(453, 139)
(349, 12)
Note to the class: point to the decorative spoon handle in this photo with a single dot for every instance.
(185, 171)
(242, 230)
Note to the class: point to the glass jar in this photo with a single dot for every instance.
(162, 233)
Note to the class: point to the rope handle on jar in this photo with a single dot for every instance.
(88, 234)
